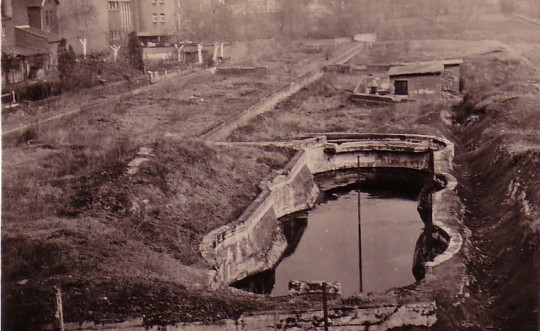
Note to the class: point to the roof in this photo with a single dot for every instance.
(417, 69)
(39, 3)
(23, 51)
(51, 37)
(150, 34)
(446, 62)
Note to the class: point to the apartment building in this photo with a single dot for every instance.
(108, 22)
(158, 21)
(121, 20)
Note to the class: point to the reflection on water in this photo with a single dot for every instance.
(323, 243)
(328, 249)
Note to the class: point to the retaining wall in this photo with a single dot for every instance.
(242, 70)
(254, 242)
(348, 318)
(225, 129)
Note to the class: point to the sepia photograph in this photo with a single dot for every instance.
(293, 165)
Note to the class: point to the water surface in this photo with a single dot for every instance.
(328, 249)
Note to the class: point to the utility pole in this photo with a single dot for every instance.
(359, 225)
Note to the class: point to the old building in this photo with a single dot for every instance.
(102, 23)
(157, 21)
(121, 16)
(450, 76)
(42, 15)
(28, 51)
(419, 81)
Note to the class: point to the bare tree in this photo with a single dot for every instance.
(80, 15)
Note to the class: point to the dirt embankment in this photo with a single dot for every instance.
(122, 237)
(499, 173)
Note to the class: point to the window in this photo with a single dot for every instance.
(3, 30)
(162, 18)
(401, 87)
(48, 17)
(154, 18)
(114, 35)
(114, 5)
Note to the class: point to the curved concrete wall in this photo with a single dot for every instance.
(254, 242)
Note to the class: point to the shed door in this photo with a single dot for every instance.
(401, 87)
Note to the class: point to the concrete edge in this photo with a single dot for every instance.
(443, 163)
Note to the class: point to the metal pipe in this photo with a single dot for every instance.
(359, 225)
(325, 306)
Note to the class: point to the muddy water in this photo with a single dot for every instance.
(328, 249)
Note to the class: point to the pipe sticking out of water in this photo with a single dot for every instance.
(359, 224)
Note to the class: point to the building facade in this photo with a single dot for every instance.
(158, 21)
(42, 14)
(419, 81)
(29, 44)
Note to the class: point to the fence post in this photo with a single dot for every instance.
(59, 312)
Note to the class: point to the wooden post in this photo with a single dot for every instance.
(359, 226)
(199, 52)
(325, 306)
(221, 50)
(115, 51)
(216, 47)
(83, 43)
(59, 313)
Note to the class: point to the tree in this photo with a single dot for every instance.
(291, 18)
(9, 61)
(135, 51)
(78, 19)
(508, 6)
(67, 61)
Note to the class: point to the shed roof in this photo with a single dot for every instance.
(23, 51)
(51, 37)
(445, 62)
(417, 69)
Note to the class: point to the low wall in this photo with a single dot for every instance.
(225, 129)
(254, 242)
(241, 70)
(348, 318)
(160, 53)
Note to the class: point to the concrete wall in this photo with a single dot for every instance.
(423, 87)
(242, 70)
(267, 104)
(160, 53)
(255, 243)
(349, 318)
(451, 75)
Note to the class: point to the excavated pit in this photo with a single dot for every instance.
(247, 252)
(323, 243)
